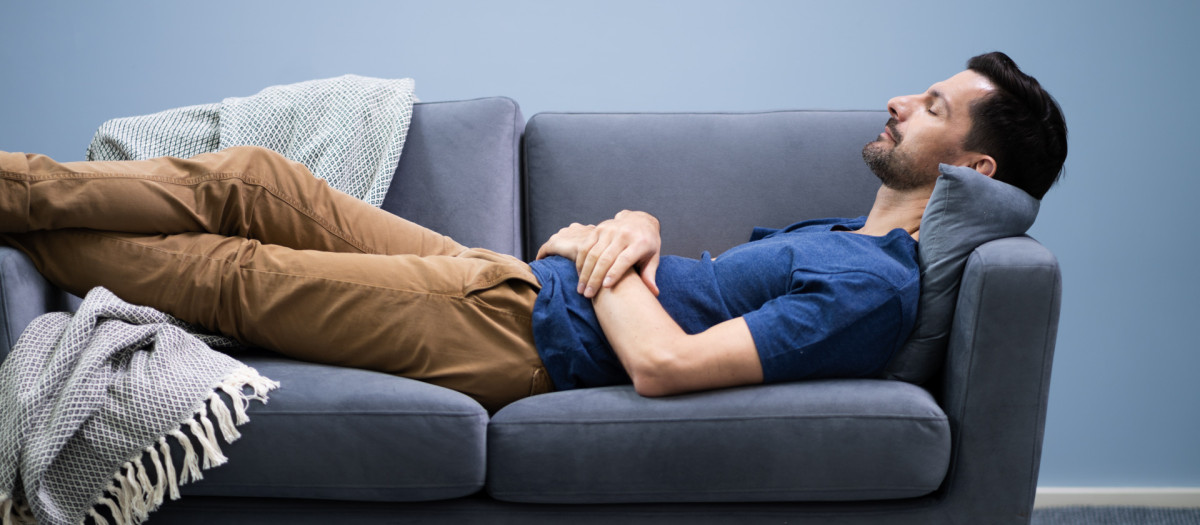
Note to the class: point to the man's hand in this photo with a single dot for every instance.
(603, 253)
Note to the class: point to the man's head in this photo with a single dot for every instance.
(991, 117)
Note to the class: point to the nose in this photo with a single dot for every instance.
(901, 107)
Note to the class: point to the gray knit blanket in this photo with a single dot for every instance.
(94, 402)
(348, 130)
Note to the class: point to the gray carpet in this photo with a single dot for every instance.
(1115, 516)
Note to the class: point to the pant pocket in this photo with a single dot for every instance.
(497, 268)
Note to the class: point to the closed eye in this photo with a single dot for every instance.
(937, 100)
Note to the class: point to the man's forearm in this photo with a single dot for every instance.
(660, 357)
(641, 333)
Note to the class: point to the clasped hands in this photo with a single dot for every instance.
(603, 253)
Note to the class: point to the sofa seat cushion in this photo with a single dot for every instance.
(341, 433)
(835, 440)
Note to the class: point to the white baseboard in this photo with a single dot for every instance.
(1117, 496)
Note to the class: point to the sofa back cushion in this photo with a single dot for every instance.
(459, 172)
(709, 177)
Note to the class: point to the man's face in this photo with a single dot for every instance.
(925, 130)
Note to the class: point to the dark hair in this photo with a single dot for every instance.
(1020, 125)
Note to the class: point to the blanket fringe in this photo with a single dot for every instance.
(190, 467)
(112, 507)
(136, 491)
(159, 486)
(14, 511)
(202, 430)
(96, 517)
(172, 481)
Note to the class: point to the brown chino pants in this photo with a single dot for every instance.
(249, 244)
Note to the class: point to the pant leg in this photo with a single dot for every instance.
(243, 192)
(462, 322)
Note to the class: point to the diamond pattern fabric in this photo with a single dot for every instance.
(86, 396)
(349, 130)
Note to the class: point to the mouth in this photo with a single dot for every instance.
(891, 132)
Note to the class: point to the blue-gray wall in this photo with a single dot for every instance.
(1125, 400)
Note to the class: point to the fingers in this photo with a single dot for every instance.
(648, 273)
(611, 257)
(605, 253)
(569, 242)
(587, 258)
(602, 268)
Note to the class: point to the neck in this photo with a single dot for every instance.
(897, 209)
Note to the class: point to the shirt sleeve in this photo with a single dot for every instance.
(844, 324)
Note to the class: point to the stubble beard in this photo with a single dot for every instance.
(896, 169)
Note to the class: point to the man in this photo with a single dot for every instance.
(248, 244)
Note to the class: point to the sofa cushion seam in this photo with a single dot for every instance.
(722, 420)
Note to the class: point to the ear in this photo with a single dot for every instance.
(984, 164)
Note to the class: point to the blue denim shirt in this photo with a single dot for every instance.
(819, 302)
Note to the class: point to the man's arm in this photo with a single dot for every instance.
(660, 357)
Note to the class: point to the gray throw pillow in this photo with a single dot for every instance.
(966, 210)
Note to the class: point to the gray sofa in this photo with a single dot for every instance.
(350, 446)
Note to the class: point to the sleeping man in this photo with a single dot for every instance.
(248, 244)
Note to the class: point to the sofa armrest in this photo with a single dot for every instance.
(24, 295)
(997, 378)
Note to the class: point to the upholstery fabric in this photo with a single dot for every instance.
(459, 175)
(996, 379)
(809, 441)
(343, 433)
(710, 178)
(966, 210)
(24, 295)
